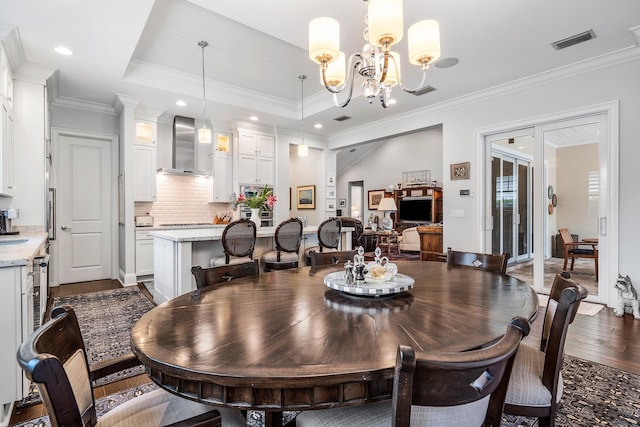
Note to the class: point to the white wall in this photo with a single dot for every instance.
(384, 166)
(305, 171)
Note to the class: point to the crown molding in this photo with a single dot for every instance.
(78, 104)
(404, 123)
(12, 43)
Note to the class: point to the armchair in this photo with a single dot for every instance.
(410, 240)
(575, 250)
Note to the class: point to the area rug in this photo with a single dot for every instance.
(583, 272)
(586, 308)
(105, 320)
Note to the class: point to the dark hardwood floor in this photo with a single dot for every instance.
(603, 338)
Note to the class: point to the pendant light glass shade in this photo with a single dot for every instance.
(424, 42)
(204, 133)
(324, 40)
(335, 73)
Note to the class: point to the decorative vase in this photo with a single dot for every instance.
(255, 217)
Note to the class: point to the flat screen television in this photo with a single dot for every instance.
(415, 209)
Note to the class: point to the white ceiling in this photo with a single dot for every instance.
(148, 50)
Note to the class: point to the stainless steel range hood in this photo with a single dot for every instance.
(183, 155)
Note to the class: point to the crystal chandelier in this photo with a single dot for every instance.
(376, 63)
(204, 133)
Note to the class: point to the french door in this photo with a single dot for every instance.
(511, 205)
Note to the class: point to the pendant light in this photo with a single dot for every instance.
(303, 149)
(204, 133)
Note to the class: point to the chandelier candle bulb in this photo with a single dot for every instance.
(324, 40)
(385, 22)
(424, 42)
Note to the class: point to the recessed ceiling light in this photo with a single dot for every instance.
(392, 101)
(181, 103)
(62, 50)
(318, 125)
(446, 62)
(254, 118)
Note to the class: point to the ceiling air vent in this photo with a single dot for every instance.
(423, 90)
(575, 39)
(342, 118)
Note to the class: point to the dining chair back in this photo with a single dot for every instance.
(214, 276)
(288, 237)
(54, 358)
(437, 388)
(331, 258)
(490, 262)
(573, 250)
(238, 243)
(328, 238)
(536, 383)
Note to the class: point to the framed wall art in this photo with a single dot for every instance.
(331, 204)
(342, 203)
(331, 192)
(460, 171)
(306, 197)
(374, 198)
(331, 179)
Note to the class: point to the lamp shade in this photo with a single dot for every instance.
(385, 22)
(424, 42)
(335, 72)
(324, 40)
(387, 204)
(204, 135)
(303, 150)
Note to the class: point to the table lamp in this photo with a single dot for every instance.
(387, 204)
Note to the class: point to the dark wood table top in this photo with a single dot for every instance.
(285, 341)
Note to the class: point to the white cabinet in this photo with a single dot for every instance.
(6, 79)
(16, 316)
(144, 253)
(221, 159)
(255, 158)
(6, 152)
(145, 154)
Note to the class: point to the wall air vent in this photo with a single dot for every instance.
(342, 118)
(575, 39)
(423, 90)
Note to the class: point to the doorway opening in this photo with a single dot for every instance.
(356, 199)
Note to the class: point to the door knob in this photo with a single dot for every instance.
(64, 227)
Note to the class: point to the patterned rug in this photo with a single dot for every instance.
(594, 395)
(105, 320)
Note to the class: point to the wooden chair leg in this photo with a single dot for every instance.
(566, 258)
(573, 260)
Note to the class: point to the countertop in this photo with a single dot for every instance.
(18, 254)
(182, 227)
(200, 234)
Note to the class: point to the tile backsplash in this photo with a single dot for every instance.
(181, 199)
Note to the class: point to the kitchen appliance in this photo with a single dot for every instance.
(6, 217)
(144, 221)
(184, 152)
(266, 216)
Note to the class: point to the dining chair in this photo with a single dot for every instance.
(287, 237)
(213, 276)
(54, 358)
(490, 262)
(328, 238)
(575, 250)
(331, 258)
(536, 381)
(238, 242)
(437, 389)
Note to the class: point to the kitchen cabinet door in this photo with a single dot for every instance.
(144, 256)
(247, 169)
(6, 135)
(265, 170)
(144, 183)
(222, 181)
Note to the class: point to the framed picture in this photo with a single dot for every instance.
(374, 198)
(331, 179)
(460, 171)
(331, 192)
(306, 197)
(342, 203)
(331, 204)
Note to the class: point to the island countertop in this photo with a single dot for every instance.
(202, 234)
(25, 248)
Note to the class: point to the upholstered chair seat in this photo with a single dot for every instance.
(287, 238)
(238, 242)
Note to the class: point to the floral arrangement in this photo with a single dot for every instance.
(264, 199)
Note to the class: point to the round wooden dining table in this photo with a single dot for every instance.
(285, 341)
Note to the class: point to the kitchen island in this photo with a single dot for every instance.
(176, 251)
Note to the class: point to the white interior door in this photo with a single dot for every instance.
(84, 208)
